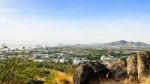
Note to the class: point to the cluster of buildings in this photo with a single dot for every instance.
(58, 58)
(3, 50)
(107, 58)
(38, 55)
(64, 58)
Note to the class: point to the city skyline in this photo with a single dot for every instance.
(74, 21)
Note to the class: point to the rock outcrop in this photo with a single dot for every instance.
(100, 69)
(132, 67)
(136, 66)
(83, 74)
(118, 65)
(118, 69)
(90, 73)
(143, 61)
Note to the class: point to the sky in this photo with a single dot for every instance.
(74, 21)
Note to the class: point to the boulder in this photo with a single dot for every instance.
(90, 73)
(119, 75)
(100, 69)
(122, 62)
(83, 75)
(118, 65)
(118, 69)
(132, 67)
(143, 61)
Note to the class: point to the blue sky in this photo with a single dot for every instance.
(74, 21)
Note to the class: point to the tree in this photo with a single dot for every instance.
(16, 70)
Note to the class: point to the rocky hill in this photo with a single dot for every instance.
(134, 69)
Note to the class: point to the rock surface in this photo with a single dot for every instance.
(90, 73)
(83, 74)
(118, 69)
(132, 67)
(136, 66)
(143, 61)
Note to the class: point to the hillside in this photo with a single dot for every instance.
(126, 44)
(115, 44)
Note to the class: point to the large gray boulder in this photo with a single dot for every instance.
(90, 73)
(83, 74)
(100, 69)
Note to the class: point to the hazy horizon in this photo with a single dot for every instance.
(74, 21)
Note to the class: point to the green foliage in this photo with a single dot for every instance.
(17, 70)
(50, 79)
(63, 67)
(44, 73)
(13, 70)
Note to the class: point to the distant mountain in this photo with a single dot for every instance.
(116, 44)
(123, 43)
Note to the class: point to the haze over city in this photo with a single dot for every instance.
(74, 21)
(74, 42)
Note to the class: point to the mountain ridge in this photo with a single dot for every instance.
(123, 42)
(115, 44)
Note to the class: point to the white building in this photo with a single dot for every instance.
(38, 60)
(76, 61)
(55, 60)
(63, 60)
(105, 58)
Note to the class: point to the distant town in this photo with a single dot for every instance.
(66, 54)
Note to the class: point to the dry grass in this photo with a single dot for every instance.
(145, 80)
(111, 82)
(127, 81)
(62, 78)
(59, 78)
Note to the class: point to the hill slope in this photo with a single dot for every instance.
(116, 44)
